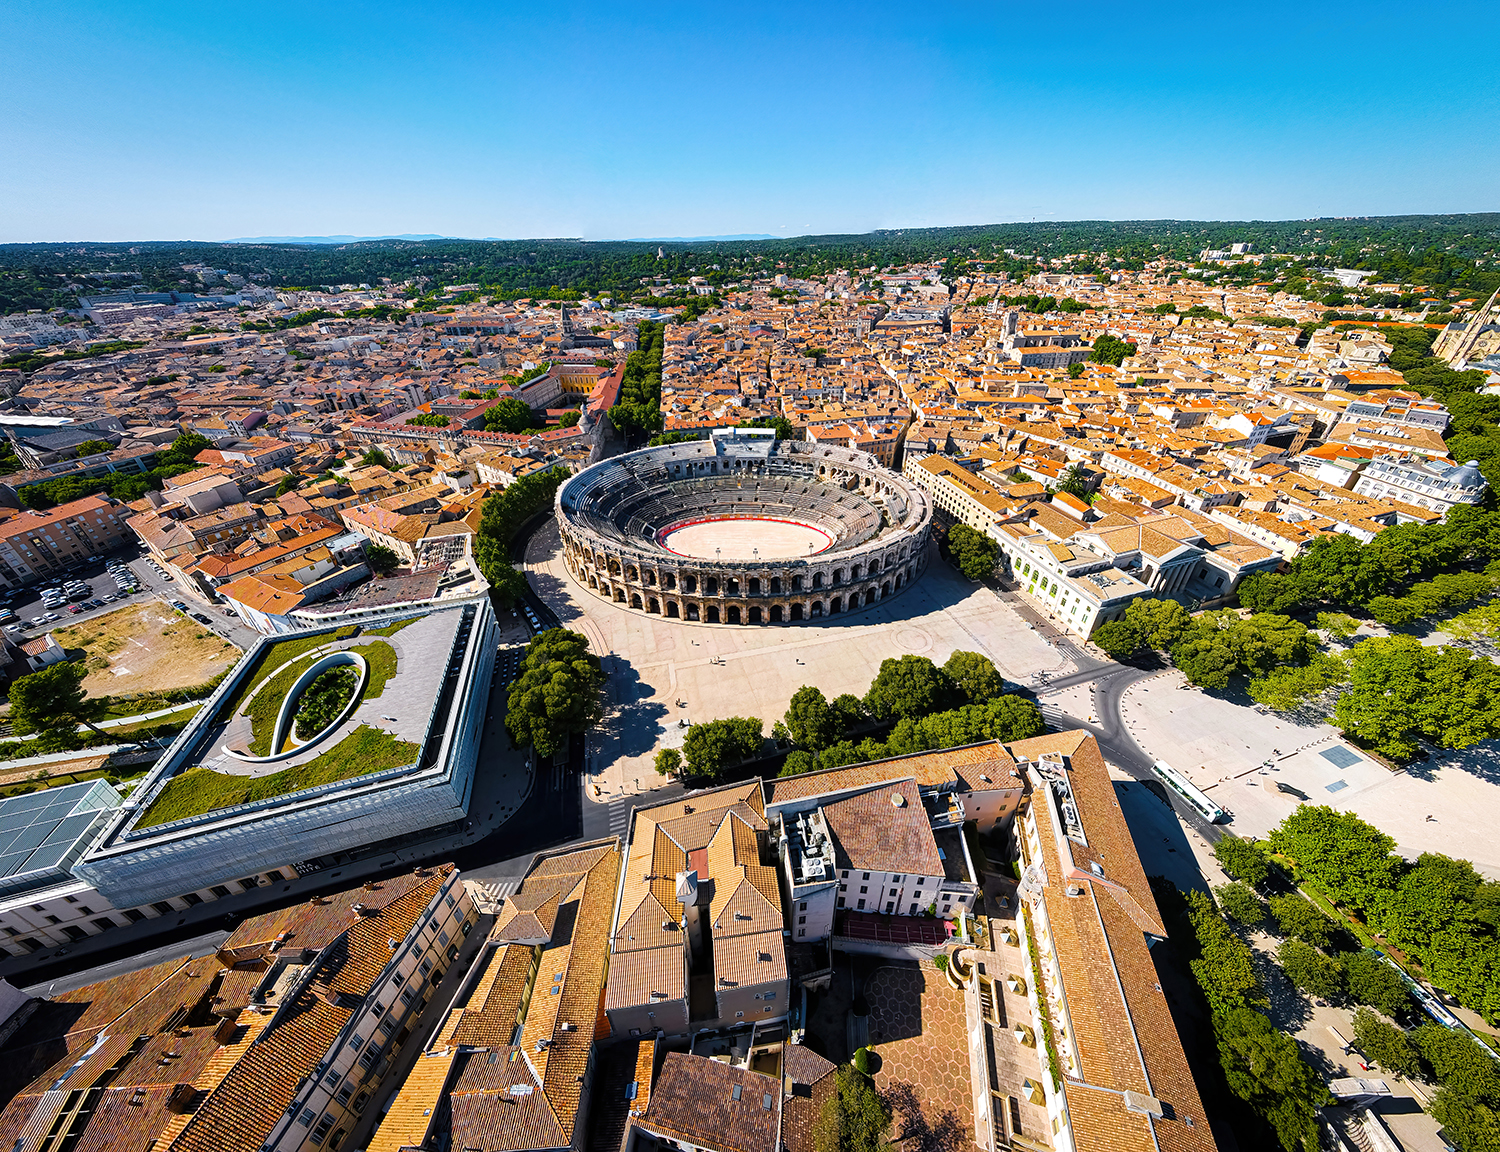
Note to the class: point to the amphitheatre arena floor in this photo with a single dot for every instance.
(663, 671)
(744, 538)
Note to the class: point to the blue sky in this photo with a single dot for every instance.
(162, 120)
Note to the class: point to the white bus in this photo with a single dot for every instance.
(1190, 792)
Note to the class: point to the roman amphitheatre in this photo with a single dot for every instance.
(743, 529)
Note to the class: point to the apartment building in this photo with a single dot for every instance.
(965, 497)
(279, 1042)
(697, 937)
(425, 526)
(1091, 918)
(522, 1027)
(1435, 484)
(37, 545)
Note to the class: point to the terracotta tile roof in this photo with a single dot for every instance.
(1121, 1024)
(694, 1100)
(949, 768)
(886, 829)
(546, 999)
(813, 1081)
(258, 1088)
(416, 1107)
(652, 973)
(491, 1107)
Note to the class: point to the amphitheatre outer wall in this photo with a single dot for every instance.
(611, 515)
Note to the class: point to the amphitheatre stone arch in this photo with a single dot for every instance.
(743, 530)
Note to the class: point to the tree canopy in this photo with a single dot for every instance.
(713, 746)
(974, 553)
(509, 415)
(53, 700)
(557, 694)
(909, 687)
(974, 675)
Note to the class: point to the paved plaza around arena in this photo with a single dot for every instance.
(665, 671)
(1238, 754)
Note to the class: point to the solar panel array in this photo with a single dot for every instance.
(39, 830)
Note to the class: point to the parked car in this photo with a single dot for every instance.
(74, 609)
(51, 616)
(38, 621)
(179, 605)
(202, 619)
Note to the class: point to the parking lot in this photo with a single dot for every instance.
(103, 594)
(28, 603)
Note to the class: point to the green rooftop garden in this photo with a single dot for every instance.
(379, 655)
(198, 790)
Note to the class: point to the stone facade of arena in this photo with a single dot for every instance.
(612, 515)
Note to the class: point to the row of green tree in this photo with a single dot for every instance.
(178, 458)
(501, 515)
(1262, 1065)
(1341, 571)
(1435, 910)
(920, 705)
(972, 552)
(1211, 648)
(637, 412)
(1409, 903)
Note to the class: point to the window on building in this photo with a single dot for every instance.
(841, 901)
(801, 919)
(860, 906)
(103, 923)
(134, 915)
(163, 907)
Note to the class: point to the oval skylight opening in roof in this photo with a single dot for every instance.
(897, 799)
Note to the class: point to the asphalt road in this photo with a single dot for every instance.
(1109, 680)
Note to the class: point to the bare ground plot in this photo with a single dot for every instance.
(146, 648)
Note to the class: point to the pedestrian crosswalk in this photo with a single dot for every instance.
(619, 817)
(489, 894)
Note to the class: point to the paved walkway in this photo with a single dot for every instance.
(919, 1031)
(1238, 754)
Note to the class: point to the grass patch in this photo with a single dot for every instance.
(392, 629)
(176, 722)
(380, 656)
(267, 704)
(21, 787)
(200, 790)
(275, 656)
